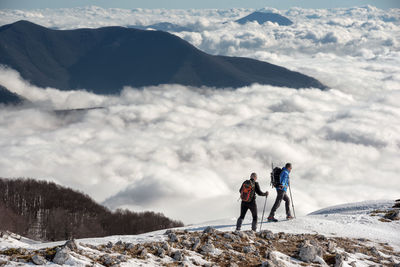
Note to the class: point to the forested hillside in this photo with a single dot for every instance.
(47, 211)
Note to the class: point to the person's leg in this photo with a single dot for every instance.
(253, 210)
(243, 210)
(277, 203)
(287, 205)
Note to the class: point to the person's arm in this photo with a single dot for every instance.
(240, 189)
(259, 192)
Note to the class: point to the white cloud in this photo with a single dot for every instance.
(185, 151)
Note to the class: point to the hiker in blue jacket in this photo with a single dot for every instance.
(281, 194)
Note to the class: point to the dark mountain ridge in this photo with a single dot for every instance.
(47, 211)
(104, 60)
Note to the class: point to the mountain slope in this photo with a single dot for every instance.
(346, 235)
(106, 59)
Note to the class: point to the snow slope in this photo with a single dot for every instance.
(349, 220)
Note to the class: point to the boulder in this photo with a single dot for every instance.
(208, 248)
(62, 255)
(129, 246)
(107, 260)
(177, 255)
(173, 237)
(38, 260)
(160, 252)
(309, 252)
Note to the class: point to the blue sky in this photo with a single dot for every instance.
(185, 4)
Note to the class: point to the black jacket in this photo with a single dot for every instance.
(257, 190)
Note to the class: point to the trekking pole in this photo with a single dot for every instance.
(291, 198)
(265, 203)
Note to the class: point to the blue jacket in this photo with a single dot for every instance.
(284, 178)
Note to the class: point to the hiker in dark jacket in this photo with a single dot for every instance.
(251, 204)
(281, 194)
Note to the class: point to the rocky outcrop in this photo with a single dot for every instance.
(215, 248)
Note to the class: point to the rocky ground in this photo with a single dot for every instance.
(215, 248)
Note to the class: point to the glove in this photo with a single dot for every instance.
(266, 194)
(280, 187)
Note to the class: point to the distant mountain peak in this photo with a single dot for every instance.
(262, 17)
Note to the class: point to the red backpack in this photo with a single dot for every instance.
(247, 191)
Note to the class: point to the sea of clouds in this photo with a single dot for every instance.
(185, 151)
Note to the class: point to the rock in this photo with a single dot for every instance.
(375, 252)
(196, 244)
(339, 260)
(393, 215)
(229, 236)
(266, 234)
(308, 252)
(241, 234)
(249, 249)
(178, 256)
(208, 248)
(169, 231)
(173, 237)
(232, 264)
(109, 244)
(228, 246)
(38, 260)
(165, 246)
(160, 252)
(71, 244)
(107, 260)
(209, 230)
(62, 255)
(251, 234)
(186, 244)
(331, 247)
(262, 242)
(129, 246)
(121, 258)
(143, 253)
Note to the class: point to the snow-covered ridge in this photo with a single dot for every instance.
(355, 208)
(346, 234)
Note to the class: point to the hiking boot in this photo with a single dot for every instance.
(272, 219)
(289, 217)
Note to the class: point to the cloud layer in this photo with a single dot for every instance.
(185, 151)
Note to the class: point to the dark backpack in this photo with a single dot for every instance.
(276, 177)
(247, 191)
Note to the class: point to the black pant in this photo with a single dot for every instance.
(252, 206)
(281, 195)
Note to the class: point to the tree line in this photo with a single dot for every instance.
(46, 211)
